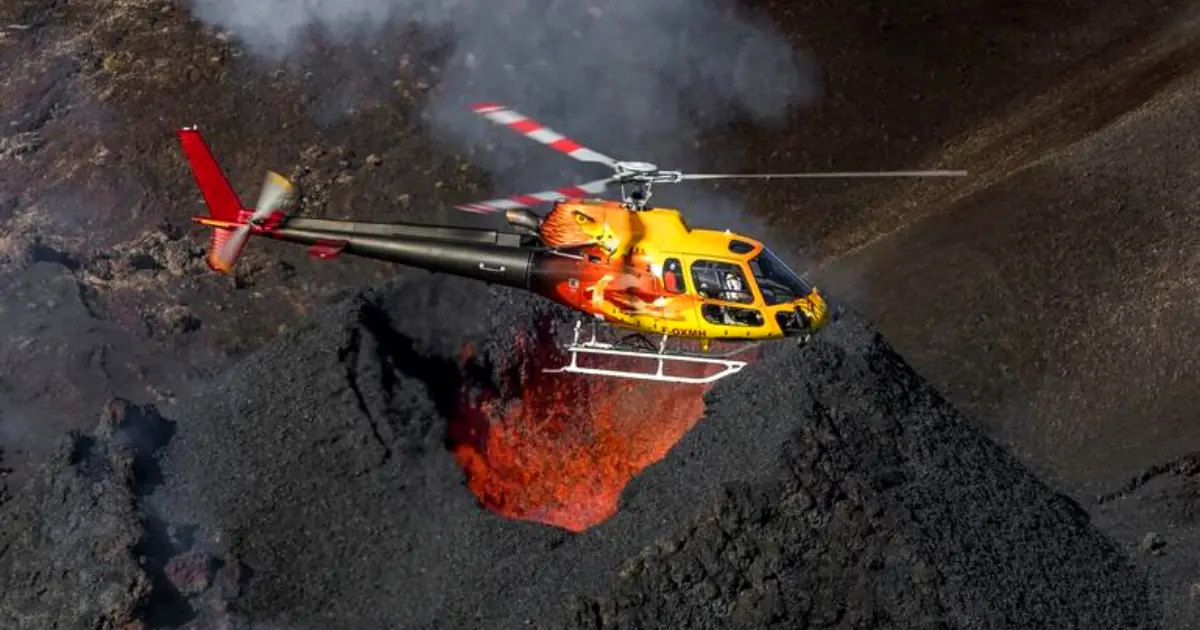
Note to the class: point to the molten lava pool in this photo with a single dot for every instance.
(562, 450)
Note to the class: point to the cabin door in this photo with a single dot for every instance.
(726, 298)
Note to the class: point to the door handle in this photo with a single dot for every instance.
(499, 269)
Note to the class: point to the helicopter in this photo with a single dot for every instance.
(624, 265)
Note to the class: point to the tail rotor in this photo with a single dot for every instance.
(276, 193)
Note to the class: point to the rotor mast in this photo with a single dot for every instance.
(636, 180)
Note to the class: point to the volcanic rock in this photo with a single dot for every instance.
(826, 486)
(5, 471)
(1165, 496)
(69, 540)
(77, 547)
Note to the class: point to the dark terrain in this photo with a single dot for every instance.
(1050, 296)
(870, 503)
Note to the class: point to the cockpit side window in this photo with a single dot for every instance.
(721, 281)
(672, 276)
(725, 315)
(777, 283)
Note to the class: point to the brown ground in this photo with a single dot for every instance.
(1051, 294)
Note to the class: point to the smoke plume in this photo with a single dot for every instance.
(633, 79)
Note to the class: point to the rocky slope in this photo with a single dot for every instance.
(829, 487)
(1054, 306)
(1156, 518)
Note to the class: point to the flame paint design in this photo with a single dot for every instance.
(672, 308)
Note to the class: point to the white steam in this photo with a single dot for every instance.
(636, 79)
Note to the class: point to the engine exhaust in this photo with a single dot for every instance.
(524, 219)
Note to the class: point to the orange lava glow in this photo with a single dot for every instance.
(561, 449)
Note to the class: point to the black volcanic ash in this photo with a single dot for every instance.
(826, 486)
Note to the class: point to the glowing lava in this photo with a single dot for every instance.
(561, 450)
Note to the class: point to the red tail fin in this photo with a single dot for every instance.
(223, 203)
(224, 207)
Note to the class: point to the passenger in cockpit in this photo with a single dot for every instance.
(673, 277)
(734, 290)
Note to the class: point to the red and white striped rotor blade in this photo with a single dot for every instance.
(524, 201)
(522, 124)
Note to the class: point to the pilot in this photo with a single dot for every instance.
(733, 287)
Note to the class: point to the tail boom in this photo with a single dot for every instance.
(490, 262)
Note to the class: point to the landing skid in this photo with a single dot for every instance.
(637, 346)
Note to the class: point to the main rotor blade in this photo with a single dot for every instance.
(530, 128)
(276, 192)
(828, 175)
(522, 201)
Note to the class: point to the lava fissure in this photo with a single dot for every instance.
(560, 448)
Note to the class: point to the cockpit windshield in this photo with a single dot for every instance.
(776, 282)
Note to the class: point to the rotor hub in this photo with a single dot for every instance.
(641, 168)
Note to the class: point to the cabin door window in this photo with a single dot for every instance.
(716, 282)
(672, 276)
(723, 281)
